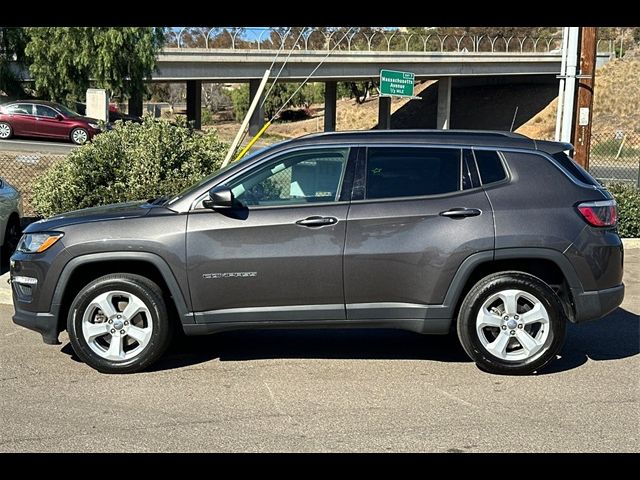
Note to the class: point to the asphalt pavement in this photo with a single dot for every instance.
(341, 390)
(41, 146)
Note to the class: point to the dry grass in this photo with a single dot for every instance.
(616, 104)
(350, 115)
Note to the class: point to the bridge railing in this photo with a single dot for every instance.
(363, 39)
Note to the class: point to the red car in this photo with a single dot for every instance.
(35, 118)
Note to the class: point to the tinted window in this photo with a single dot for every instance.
(490, 166)
(574, 169)
(20, 108)
(291, 179)
(43, 111)
(407, 172)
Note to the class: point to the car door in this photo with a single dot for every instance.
(278, 256)
(21, 118)
(415, 216)
(6, 207)
(49, 124)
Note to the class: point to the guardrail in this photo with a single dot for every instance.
(325, 38)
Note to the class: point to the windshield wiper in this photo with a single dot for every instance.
(158, 200)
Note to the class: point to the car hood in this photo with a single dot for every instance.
(84, 119)
(95, 214)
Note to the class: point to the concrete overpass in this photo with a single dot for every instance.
(455, 57)
(195, 65)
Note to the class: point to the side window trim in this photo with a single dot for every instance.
(472, 168)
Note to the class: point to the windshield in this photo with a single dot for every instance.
(210, 177)
(67, 111)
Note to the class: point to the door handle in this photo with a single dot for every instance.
(317, 221)
(461, 212)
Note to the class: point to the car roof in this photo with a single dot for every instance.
(480, 138)
(35, 102)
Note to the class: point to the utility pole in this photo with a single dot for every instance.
(568, 99)
(584, 102)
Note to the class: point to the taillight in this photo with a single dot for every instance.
(602, 213)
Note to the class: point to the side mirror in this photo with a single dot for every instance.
(219, 197)
(59, 117)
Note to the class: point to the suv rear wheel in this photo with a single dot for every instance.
(119, 323)
(511, 323)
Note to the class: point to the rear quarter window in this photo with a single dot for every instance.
(489, 166)
(574, 169)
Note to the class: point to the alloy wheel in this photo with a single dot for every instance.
(117, 325)
(513, 325)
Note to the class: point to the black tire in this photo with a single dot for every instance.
(481, 292)
(150, 294)
(73, 136)
(4, 126)
(11, 237)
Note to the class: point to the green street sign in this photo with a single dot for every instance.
(396, 83)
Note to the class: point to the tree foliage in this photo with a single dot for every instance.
(13, 41)
(65, 61)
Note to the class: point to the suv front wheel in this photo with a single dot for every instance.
(511, 323)
(119, 323)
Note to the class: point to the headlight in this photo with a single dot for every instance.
(38, 242)
(94, 125)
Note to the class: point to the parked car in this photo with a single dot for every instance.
(114, 113)
(10, 214)
(493, 235)
(36, 118)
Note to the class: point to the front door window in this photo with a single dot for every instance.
(305, 177)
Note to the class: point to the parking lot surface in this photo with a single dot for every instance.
(341, 390)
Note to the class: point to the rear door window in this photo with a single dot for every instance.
(20, 108)
(393, 172)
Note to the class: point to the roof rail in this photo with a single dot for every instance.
(448, 133)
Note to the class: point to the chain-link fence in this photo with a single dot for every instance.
(22, 169)
(615, 157)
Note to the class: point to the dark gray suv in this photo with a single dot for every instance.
(495, 235)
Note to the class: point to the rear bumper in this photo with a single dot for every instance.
(596, 304)
(43, 323)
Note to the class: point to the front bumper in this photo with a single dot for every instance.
(596, 304)
(43, 323)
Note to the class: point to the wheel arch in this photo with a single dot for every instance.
(549, 265)
(83, 269)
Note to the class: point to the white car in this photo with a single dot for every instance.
(10, 214)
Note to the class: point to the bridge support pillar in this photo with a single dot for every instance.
(194, 103)
(330, 97)
(444, 103)
(384, 113)
(256, 122)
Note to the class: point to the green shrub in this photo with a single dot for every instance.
(628, 200)
(206, 117)
(240, 100)
(131, 162)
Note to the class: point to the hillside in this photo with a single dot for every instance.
(616, 102)
(616, 107)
